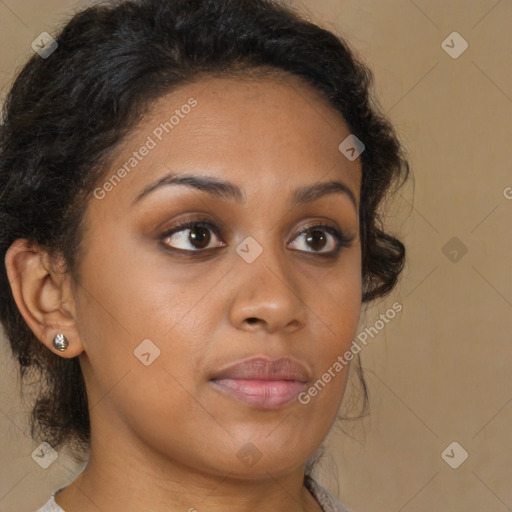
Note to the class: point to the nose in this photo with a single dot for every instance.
(267, 295)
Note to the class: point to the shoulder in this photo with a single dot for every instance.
(326, 500)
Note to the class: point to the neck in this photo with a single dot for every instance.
(131, 477)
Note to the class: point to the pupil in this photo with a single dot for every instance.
(202, 238)
(315, 239)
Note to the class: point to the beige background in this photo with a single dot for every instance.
(441, 370)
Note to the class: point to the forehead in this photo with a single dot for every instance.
(273, 127)
(273, 105)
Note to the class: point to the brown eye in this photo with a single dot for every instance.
(319, 237)
(316, 240)
(191, 236)
(199, 237)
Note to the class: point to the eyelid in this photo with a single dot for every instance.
(342, 239)
(187, 224)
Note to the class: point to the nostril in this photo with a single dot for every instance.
(252, 320)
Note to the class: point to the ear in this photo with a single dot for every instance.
(44, 295)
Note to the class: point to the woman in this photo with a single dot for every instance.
(189, 223)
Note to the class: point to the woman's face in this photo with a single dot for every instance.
(162, 311)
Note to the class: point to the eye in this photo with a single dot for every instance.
(192, 236)
(196, 236)
(322, 239)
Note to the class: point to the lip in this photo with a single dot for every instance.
(262, 382)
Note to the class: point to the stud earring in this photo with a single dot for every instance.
(60, 342)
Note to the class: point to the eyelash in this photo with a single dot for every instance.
(342, 240)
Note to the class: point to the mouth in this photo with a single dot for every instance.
(262, 383)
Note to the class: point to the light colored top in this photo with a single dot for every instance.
(324, 498)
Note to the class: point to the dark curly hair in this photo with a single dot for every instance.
(66, 114)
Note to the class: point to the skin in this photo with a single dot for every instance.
(163, 439)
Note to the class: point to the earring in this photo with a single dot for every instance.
(60, 342)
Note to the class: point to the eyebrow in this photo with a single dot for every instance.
(231, 191)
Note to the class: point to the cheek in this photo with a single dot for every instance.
(337, 301)
(141, 352)
(132, 312)
(336, 312)
(134, 295)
